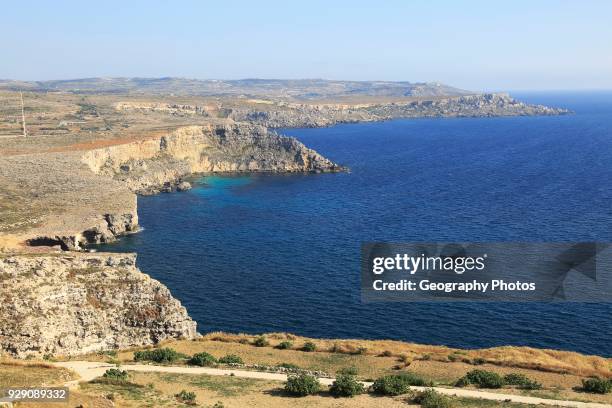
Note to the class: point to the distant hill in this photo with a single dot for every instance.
(291, 88)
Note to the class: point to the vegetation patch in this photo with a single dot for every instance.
(163, 355)
(481, 379)
(231, 359)
(596, 385)
(186, 397)
(284, 345)
(202, 359)
(521, 381)
(116, 375)
(346, 385)
(261, 341)
(433, 399)
(301, 385)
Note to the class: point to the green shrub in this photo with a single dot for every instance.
(346, 386)
(484, 379)
(302, 384)
(231, 359)
(164, 355)
(361, 350)
(284, 345)
(218, 404)
(433, 399)
(462, 382)
(414, 379)
(202, 359)
(116, 374)
(309, 346)
(521, 381)
(348, 371)
(596, 385)
(260, 341)
(288, 365)
(391, 385)
(186, 397)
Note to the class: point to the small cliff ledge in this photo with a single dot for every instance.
(158, 164)
(75, 303)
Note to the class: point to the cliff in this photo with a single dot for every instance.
(58, 302)
(318, 115)
(75, 303)
(155, 164)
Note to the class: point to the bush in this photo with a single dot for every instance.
(462, 382)
(260, 341)
(164, 355)
(479, 361)
(284, 345)
(309, 346)
(302, 384)
(231, 359)
(202, 359)
(186, 397)
(433, 399)
(116, 374)
(346, 386)
(596, 385)
(483, 379)
(348, 371)
(290, 366)
(391, 385)
(521, 381)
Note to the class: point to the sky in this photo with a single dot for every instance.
(476, 45)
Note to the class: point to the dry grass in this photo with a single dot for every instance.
(15, 373)
(369, 364)
(554, 361)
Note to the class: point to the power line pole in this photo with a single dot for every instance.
(25, 132)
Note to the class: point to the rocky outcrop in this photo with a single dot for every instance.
(158, 164)
(73, 303)
(318, 115)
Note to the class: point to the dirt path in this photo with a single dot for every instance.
(89, 370)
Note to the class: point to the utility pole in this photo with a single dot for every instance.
(25, 132)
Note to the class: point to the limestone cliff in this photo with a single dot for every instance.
(148, 166)
(317, 115)
(74, 303)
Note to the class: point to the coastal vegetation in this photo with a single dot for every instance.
(346, 385)
(301, 385)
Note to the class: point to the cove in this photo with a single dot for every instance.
(267, 252)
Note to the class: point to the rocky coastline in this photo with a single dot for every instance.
(60, 299)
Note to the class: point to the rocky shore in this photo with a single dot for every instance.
(72, 303)
(64, 190)
(159, 164)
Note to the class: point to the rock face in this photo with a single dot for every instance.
(76, 303)
(313, 115)
(159, 164)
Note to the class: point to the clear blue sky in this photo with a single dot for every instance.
(479, 45)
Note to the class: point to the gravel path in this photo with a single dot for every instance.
(88, 370)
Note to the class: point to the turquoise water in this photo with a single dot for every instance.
(260, 253)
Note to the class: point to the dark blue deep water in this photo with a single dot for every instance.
(261, 253)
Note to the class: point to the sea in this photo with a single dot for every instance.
(260, 253)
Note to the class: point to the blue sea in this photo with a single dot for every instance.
(260, 253)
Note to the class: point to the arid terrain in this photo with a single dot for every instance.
(71, 176)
